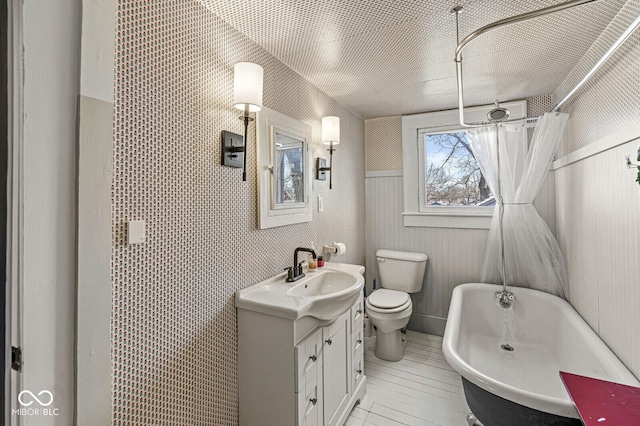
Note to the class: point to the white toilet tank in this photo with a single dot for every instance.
(401, 270)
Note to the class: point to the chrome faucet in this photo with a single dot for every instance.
(505, 298)
(294, 273)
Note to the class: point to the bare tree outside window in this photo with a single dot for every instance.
(452, 174)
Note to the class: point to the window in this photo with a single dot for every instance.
(452, 176)
(443, 184)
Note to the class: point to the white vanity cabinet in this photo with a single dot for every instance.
(299, 372)
(357, 343)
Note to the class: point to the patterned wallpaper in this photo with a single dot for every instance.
(173, 327)
(383, 147)
(538, 105)
(610, 100)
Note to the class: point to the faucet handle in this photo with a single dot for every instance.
(290, 272)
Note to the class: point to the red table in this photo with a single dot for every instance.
(602, 403)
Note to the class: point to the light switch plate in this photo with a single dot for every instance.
(137, 232)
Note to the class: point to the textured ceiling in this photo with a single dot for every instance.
(393, 57)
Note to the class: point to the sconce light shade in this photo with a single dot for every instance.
(247, 86)
(331, 130)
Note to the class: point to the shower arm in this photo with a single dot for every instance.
(524, 17)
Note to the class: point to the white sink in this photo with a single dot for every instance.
(323, 284)
(323, 295)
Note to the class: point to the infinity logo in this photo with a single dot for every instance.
(26, 404)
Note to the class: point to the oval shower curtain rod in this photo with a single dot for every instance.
(524, 17)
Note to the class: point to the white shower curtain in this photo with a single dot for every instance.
(532, 256)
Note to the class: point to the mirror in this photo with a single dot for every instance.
(284, 177)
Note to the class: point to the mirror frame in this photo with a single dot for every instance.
(270, 215)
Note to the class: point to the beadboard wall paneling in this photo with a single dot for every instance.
(173, 327)
(455, 255)
(597, 201)
(598, 227)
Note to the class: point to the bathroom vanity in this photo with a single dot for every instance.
(295, 368)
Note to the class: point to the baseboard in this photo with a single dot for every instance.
(427, 324)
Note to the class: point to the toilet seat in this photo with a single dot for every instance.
(388, 301)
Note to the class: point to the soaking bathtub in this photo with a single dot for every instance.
(510, 359)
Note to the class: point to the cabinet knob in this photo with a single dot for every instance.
(328, 341)
(359, 371)
(359, 341)
(313, 358)
(314, 401)
(359, 311)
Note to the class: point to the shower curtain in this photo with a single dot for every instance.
(532, 257)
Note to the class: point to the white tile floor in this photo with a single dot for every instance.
(421, 389)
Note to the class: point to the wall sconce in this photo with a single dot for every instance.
(247, 97)
(331, 137)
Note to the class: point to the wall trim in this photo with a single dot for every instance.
(622, 136)
(14, 274)
(94, 241)
(382, 173)
(427, 324)
(460, 220)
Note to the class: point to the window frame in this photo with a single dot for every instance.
(268, 124)
(414, 214)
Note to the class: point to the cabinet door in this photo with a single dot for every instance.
(358, 371)
(336, 351)
(310, 403)
(308, 358)
(357, 313)
(357, 342)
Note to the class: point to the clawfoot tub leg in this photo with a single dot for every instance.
(472, 420)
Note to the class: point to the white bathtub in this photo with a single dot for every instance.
(548, 336)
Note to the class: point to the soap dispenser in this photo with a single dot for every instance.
(312, 263)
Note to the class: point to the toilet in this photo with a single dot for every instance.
(390, 307)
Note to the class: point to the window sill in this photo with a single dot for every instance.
(460, 220)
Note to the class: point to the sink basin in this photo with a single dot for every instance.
(326, 283)
(324, 295)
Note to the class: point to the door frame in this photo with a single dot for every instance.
(11, 191)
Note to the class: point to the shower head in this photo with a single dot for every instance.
(497, 114)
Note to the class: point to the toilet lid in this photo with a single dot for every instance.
(388, 299)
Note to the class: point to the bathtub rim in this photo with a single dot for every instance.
(549, 404)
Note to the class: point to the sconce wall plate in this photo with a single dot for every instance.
(232, 149)
(321, 165)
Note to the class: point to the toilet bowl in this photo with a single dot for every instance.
(390, 307)
(389, 320)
